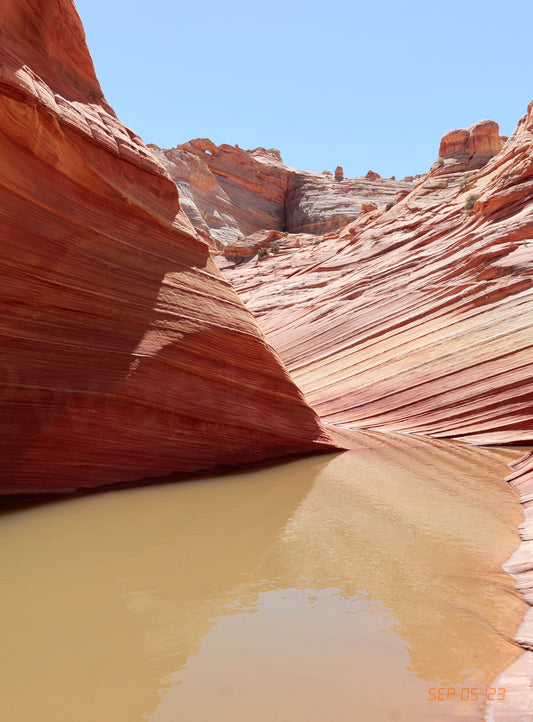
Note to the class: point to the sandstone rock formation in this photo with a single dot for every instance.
(418, 319)
(369, 206)
(232, 193)
(470, 148)
(248, 246)
(227, 191)
(127, 351)
(521, 563)
(125, 354)
(318, 205)
(516, 679)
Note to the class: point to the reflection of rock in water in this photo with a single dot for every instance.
(137, 577)
(416, 528)
(164, 579)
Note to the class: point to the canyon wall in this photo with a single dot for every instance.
(226, 191)
(417, 318)
(516, 679)
(125, 354)
(231, 193)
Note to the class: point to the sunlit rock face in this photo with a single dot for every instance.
(417, 318)
(226, 191)
(470, 148)
(319, 204)
(517, 677)
(125, 354)
(521, 564)
(232, 193)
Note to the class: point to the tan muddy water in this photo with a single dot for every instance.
(345, 587)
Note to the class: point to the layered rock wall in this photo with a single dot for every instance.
(232, 193)
(418, 319)
(226, 191)
(516, 679)
(125, 354)
(317, 203)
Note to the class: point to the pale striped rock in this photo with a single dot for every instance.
(419, 318)
(517, 678)
(232, 193)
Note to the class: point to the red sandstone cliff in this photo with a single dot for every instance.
(124, 354)
(232, 193)
(418, 318)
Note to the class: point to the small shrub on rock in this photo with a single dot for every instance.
(262, 252)
(275, 247)
(470, 201)
(465, 180)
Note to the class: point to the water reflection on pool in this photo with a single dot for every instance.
(340, 587)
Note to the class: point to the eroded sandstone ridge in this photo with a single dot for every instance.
(417, 318)
(231, 193)
(125, 354)
(516, 679)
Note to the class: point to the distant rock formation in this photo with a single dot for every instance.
(125, 354)
(231, 193)
(419, 319)
(470, 148)
(317, 204)
(227, 191)
(247, 246)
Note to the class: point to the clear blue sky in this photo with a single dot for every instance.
(369, 85)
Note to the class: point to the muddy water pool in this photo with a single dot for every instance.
(364, 585)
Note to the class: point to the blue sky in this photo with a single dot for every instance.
(364, 85)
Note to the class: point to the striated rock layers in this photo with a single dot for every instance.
(516, 679)
(318, 204)
(418, 318)
(232, 193)
(124, 354)
(226, 191)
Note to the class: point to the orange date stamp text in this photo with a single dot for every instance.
(466, 694)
